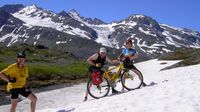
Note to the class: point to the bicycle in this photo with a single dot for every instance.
(130, 79)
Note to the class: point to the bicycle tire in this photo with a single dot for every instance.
(93, 89)
(134, 80)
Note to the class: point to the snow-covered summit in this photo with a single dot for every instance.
(73, 13)
(137, 16)
(35, 11)
(34, 16)
(29, 9)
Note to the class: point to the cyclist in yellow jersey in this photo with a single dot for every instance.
(16, 75)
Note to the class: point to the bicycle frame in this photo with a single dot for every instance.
(115, 76)
(112, 80)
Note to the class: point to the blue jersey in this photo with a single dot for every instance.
(129, 52)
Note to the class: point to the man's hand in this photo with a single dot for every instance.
(126, 60)
(98, 65)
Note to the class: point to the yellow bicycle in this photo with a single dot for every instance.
(129, 79)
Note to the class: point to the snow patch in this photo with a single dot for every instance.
(36, 37)
(103, 32)
(34, 43)
(146, 32)
(1, 28)
(61, 42)
(31, 15)
(169, 39)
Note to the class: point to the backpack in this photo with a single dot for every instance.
(97, 77)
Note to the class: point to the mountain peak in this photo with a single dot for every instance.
(64, 13)
(94, 21)
(33, 10)
(143, 20)
(73, 12)
(32, 7)
(137, 16)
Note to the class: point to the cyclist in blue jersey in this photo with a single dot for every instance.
(128, 55)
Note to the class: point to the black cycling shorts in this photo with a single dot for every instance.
(130, 66)
(15, 92)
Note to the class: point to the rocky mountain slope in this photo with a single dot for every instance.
(70, 32)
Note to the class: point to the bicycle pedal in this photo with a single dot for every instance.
(106, 88)
(130, 76)
(118, 81)
(113, 84)
(99, 87)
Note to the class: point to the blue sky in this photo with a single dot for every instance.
(178, 13)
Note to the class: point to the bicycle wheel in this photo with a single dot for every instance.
(98, 91)
(132, 79)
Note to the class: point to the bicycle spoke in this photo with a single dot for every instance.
(98, 91)
(105, 86)
(131, 80)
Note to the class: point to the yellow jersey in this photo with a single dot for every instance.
(20, 74)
